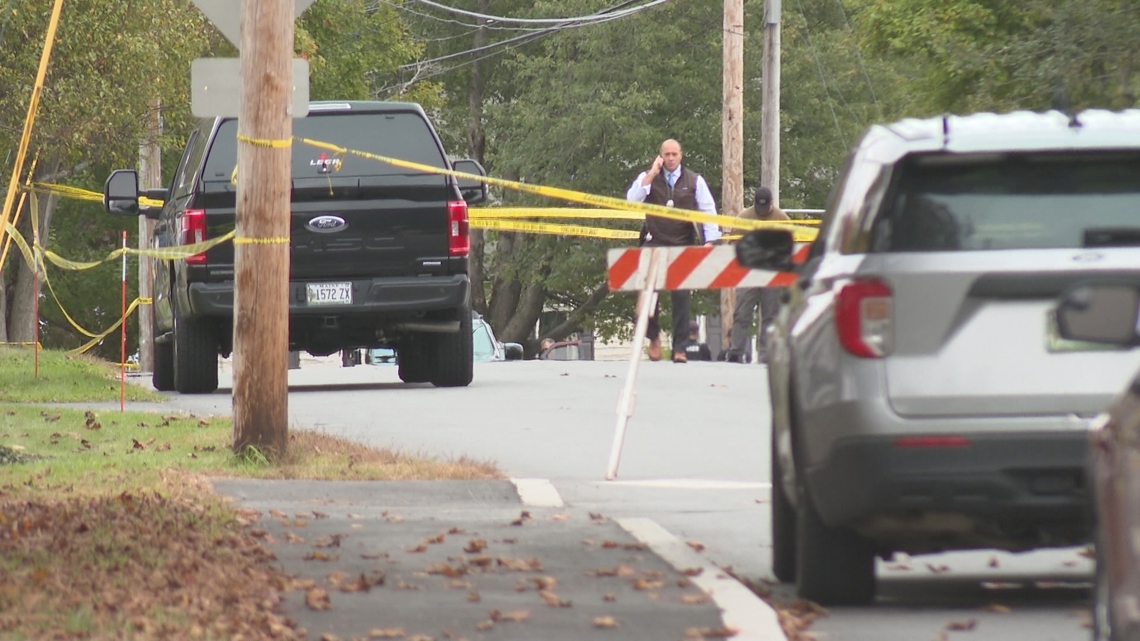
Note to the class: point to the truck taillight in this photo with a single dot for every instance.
(194, 231)
(458, 228)
(863, 318)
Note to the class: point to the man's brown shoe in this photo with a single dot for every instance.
(654, 349)
(679, 357)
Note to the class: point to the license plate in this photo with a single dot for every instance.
(330, 293)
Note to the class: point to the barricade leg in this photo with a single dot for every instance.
(645, 301)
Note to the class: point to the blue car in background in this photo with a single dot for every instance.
(485, 346)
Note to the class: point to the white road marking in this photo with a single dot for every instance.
(740, 608)
(538, 493)
(690, 484)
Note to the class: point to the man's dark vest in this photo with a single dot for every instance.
(670, 233)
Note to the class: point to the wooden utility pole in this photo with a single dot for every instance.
(770, 115)
(732, 136)
(261, 245)
(150, 176)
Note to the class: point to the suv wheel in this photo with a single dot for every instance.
(783, 525)
(834, 565)
(454, 354)
(195, 355)
(163, 376)
(412, 362)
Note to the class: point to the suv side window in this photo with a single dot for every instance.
(187, 173)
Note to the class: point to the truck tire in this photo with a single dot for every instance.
(454, 354)
(834, 565)
(412, 364)
(783, 525)
(195, 355)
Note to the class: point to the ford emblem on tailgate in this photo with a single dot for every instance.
(326, 224)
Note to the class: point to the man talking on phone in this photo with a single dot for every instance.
(668, 184)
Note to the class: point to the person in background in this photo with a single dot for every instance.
(668, 184)
(695, 350)
(763, 208)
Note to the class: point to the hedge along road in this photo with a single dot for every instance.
(695, 461)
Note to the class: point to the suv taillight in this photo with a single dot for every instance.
(194, 231)
(863, 318)
(458, 228)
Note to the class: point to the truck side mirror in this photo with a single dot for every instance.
(1100, 312)
(474, 191)
(121, 193)
(769, 249)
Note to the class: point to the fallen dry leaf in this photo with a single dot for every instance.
(328, 636)
(456, 530)
(364, 582)
(545, 582)
(457, 584)
(937, 569)
(722, 632)
(553, 600)
(518, 616)
(293, 538)
(609, 597)
(646, 584)
(560, 517)
(446, 569)
(329, 541)
(318, 599)
(403, 585)
(696, 545)
(421, 637)
(692, 571)
(437, 539)
(474, 546)
(386, 633)
(317, 555)
(594, 516)
(998, 608)
(605, 622)
(683, 583)
(962, 626)
(695, 599)
(483, 626)
(418, 549)
(520, 565)
(473, 596)
(1089, 553)
(993, 562)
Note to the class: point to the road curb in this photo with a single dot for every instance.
(740, 608)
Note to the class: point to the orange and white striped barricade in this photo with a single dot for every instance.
(649, 269)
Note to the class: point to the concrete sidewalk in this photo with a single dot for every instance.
(459, 560)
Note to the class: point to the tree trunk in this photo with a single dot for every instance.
(571, 323)
(21, 314)
(476, 149)
(505, 292)
(526, 313)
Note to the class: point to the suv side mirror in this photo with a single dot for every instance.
(121, 192)
(514, 351)
(769, 249)
(1100, 312)
(474, 191)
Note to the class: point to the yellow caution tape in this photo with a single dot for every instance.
(22, 244)
(284, 240)
(258, 142)
(549, 228)
(95, 341)
(553, 212)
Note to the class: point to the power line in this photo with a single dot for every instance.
(859, 58)
(600, 17)
(822, 76)
(551, 21)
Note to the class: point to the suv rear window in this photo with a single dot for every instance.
(400, 135)
(1041, 201)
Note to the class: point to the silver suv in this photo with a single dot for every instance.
(922, 399)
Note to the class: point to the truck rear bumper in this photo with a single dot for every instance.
(372, 296)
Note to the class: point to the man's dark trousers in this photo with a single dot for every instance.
(745, 313)
(680, 299)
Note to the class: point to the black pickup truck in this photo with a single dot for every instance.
(378, 254)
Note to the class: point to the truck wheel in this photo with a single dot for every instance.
(454, 354)
(834, 565)
(412, 362)
(783, 525)
(195, 355)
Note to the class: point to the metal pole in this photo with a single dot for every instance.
(123, 335)
(628, 394)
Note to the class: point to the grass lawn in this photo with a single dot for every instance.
(109, 527)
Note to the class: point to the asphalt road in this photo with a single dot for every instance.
(695, 461)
